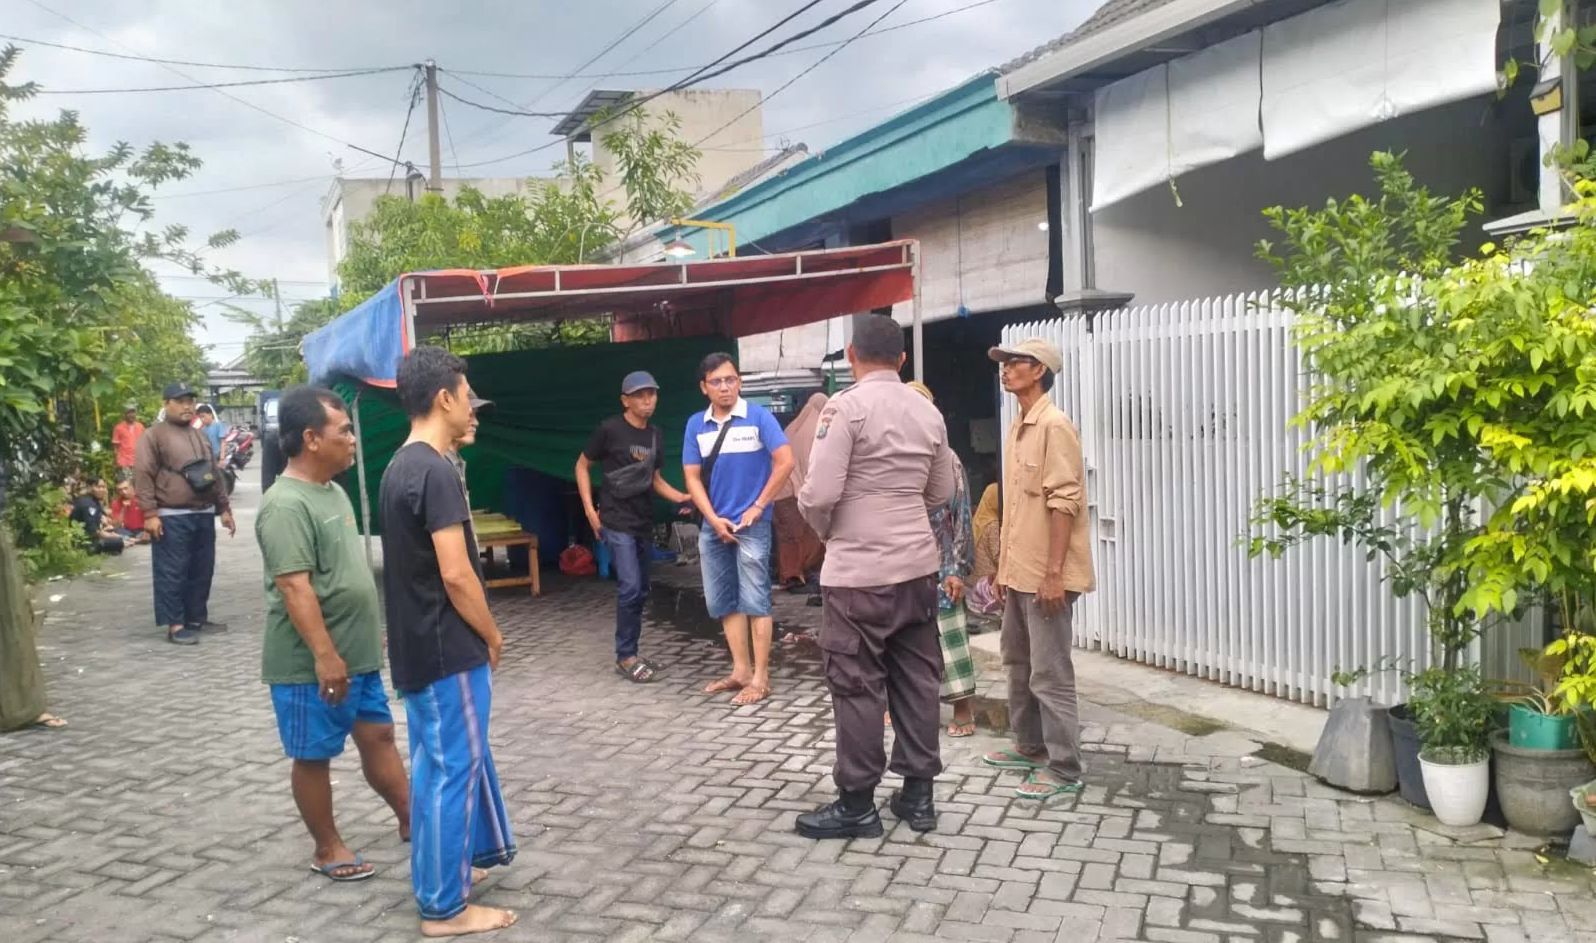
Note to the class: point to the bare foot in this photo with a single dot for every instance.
(474, 919)
(478, 875)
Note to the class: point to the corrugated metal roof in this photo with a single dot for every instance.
(1109, 14)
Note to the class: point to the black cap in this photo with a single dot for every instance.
(178, 390)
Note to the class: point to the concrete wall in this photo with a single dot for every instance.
(351, 200)
(795, 348)
(984, 249)
(1165, 252)
(702, 112)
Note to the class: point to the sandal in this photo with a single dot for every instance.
(49, 722)
(1043, 785)
(331, 869)
(638, 672)
(725, 684)
(750, 695)
(956, 729)
(1011, 759)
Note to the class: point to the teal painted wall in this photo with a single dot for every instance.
(933, 136)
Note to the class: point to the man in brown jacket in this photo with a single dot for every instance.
(1044, 564)
(180, 489)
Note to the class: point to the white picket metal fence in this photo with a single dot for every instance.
(1184, 412)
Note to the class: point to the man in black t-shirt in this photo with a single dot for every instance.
(442, 645)
(627, 449)
(89, 511)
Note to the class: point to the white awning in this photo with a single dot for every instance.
(1356, 63)
(1160, 123)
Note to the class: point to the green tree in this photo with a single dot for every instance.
(1387, 396)
(83, 324)
(564, 222)
(272, 350)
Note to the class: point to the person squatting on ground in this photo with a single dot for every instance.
(322, 651)
(735, 458)
(443, 645)
(629, 450)
(1044, 564)
(880, 461)
(88, 511)
(178, 484)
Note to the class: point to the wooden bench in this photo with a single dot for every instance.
(496, 537)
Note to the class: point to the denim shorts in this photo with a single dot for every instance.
(312, 729)
(736, 576)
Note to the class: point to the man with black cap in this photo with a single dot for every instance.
(628, 449)
(1044, 564)
(178, 484)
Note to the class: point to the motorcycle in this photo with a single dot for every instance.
(238, 445)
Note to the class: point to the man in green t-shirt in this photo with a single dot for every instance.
(323, 645)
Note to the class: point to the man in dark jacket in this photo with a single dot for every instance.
(180, 490)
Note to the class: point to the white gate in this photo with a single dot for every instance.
(1184, 416)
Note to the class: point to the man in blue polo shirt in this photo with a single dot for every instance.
(735, 458)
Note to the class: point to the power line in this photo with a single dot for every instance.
(188, 62)
(625, 35)
(789, 83)
(449, 134)
(496, 110)
(252, 186)
(242, 101)
(677, 70)
(702, 74)
(398, 153)
(214, 85)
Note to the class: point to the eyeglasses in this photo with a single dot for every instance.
(1012, 361)
(722, 383)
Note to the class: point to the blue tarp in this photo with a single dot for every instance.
(365, 342)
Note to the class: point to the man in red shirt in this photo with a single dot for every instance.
(125, 439)
(126, 515)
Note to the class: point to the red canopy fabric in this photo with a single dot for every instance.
(735, 297)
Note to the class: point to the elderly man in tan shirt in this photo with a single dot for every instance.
(1044, 564)
(880, 460)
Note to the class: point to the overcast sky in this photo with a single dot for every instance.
(288, 169)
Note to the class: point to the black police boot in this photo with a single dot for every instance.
(912, 804)
(853, 815)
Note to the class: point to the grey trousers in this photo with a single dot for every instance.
(880, 650)
(1043, 711)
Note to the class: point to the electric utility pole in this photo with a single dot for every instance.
(434, 151)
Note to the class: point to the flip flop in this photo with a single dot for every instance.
(750, 695)
(1011, 759)
(50, 722)
(961, 730)
(1046, 787)
(326, 870)
(725, 684)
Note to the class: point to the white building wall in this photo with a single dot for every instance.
(795, 348)
(1163, 251)
(985, 249)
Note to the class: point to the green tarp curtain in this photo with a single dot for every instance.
(545, 405)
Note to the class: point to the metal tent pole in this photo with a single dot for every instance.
(919, 334)
(360, 477)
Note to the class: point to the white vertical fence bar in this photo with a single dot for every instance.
(1184, 413)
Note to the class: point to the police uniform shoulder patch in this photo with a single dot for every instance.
(824, 426)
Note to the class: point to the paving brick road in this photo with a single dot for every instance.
(657, 813)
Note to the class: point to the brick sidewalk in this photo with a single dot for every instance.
(654, 812)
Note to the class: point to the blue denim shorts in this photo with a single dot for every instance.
(736, 576)
(312, 729)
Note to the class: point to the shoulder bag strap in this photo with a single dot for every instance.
(714, 453)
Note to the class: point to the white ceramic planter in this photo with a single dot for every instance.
(1457, 791)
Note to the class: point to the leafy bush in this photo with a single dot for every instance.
(51, 543)
(1454, 713)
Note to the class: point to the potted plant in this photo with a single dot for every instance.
(1539, 758)
(1454, 712)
